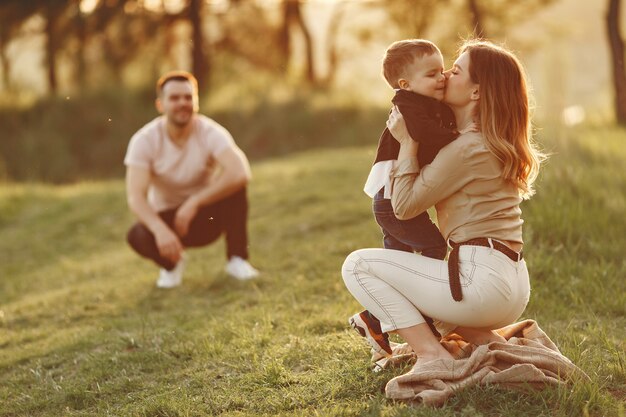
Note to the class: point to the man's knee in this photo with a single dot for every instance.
(234, 208)
(138, 235)
(238, 198)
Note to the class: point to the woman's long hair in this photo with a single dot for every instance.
(503, 112)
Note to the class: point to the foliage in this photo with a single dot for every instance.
(124, 31)
(489, 19)
(44, 143)
(84, 332)
(103, 41)
(67, 139)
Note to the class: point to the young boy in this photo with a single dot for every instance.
(414, 69)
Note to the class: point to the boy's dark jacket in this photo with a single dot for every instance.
(429, 122)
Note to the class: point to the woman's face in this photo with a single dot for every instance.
(460, 89)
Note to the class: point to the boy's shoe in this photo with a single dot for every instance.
(241, 269)
(173, 278)
(368, 326)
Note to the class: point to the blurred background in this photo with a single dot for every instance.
(77, 76)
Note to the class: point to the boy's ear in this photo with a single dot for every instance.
(403, 84)
(158, 105)
(475, 94)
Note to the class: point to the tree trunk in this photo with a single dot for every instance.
(308, 43)
(6, 66)
(169, 40)
(292, 15)
(284, 39)
(199, 59)
(617, 58)
(421, 20)
(331, 43)
(477, 19)
(81, 64)
(51, 49)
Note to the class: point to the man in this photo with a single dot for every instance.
(186, 183)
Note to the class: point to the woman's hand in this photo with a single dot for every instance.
(397, 126)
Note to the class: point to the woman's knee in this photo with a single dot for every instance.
(354, 264)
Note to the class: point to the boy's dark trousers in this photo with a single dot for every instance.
(228, 216)
(418, 234)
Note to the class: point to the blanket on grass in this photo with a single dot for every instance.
(528, 359)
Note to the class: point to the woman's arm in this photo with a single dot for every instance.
(413, 190)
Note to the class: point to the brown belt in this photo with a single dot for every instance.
(453, 260)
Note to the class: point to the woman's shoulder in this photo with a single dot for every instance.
(468, 144)
(471, 139)
(467, 152)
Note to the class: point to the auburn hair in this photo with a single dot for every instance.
(176, 76)
(503, 112)
(401, 54)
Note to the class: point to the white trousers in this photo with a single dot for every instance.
(397, 287)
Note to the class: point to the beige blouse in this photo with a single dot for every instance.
(464, 184)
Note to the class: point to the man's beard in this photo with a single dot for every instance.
(180, 123)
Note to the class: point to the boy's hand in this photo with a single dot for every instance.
(472, 127)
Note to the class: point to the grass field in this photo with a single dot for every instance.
(84, 332)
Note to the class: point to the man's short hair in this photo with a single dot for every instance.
(401, 54)
(176, 76)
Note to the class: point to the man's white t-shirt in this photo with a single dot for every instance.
(177, 172)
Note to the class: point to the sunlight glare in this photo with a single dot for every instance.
(87, 6)
(152, 4)
(171, 6)
(573, 115)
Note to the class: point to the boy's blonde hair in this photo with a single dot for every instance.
(401, 54)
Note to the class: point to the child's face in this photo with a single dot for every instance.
(425, 76)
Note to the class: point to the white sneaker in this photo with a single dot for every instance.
(241, 269)
(173, 278)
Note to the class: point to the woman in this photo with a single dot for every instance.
(476, 184)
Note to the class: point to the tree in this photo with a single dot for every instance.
(200, 63)
(414, 20)
(482, 18)
(122, 28)
(477, 18)
(13, 13)
(249, 34)
(331, 43)
(292, 16)
(492, 18)
(52, 11)
(616, 43)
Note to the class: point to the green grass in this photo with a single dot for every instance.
(83, 330)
